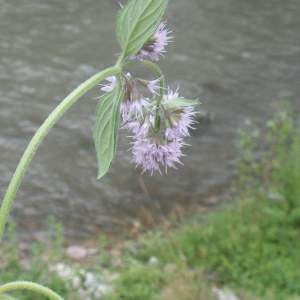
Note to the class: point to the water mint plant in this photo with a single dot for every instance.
(156, 125)
(155, 144)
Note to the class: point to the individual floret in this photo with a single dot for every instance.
(155, 44)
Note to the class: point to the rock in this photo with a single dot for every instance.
(94, 286)
(92, 251)
(77, 252)
(66, 273)
(223, 295)
(153, 260)
(90, 280)
(90, 285)
(103, 289)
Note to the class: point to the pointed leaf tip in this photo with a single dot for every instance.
(182, 102)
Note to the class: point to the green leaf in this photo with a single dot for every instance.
(106, 129)
(181, 102)
(136, 22)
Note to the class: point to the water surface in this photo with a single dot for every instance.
(239, 57)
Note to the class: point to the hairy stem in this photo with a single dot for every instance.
(29, 286)
(39, 136)
(6, 297)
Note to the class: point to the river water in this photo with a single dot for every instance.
(239, 57)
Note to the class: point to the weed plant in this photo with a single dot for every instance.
(252, 248)
(37, 266)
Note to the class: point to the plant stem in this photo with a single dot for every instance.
(6, 297)
(39, 136)
(30, 286)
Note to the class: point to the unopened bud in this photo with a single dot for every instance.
(143, 82)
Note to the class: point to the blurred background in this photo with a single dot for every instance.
(239, 57)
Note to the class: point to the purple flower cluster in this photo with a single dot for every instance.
(155, 147)
(158, 126)
(133, 103)
(154, 150)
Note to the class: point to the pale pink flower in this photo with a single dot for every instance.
(138, 102)
(133, 105)
(125, 111)
(151, 85)
(141, 125)
(177, 119)
(155, 44)
(154, 150)
(110, 86)
(171, 95)
(133, 126)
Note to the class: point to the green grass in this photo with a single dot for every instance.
(42, 256)
(140, 282)
(254, 247)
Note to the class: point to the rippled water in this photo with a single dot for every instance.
(239, 57)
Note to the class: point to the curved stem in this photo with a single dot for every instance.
(30, 286)
(39, 136)
(6, 297)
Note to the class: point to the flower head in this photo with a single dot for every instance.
(158, 127)
(177, 119)
(155, 44)
(154, 150)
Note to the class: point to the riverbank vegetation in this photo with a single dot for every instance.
(249, 247)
